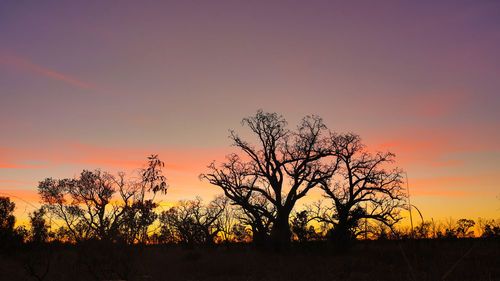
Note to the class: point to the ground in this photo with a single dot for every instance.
(469, 259)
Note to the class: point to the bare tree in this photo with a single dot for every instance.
(364, 187)
(191, 222)
(281, 168)
(227, 219)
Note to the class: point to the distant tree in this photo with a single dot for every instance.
(227, 219)
(423, 230)
(364, 187)
(191, 222)
(39, 231)
(279, 169)
(491, 230)
(449, 231)
(381, 231)
(463, 228)
(241, 233)
(301, 227)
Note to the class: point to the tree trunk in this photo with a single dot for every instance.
(341, 236)
(280, 233)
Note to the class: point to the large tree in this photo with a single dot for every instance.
(365, 187)
(280, 168)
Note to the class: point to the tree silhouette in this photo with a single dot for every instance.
(364, 187)
(301, 227)
(463, 226)
(191, 222)
(139, 214)
(280, 169)
(84, 204)
(39, 231)
(7, 218)
(7, 222)
(99, 205)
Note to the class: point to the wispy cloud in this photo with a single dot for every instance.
(484, 184)
(24, 64)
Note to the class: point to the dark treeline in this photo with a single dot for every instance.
(261, 185)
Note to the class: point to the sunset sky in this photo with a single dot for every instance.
(103, 84)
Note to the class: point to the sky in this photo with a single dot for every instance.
(103, 84)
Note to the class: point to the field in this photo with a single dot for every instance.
(471, 259)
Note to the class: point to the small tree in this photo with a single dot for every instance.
(8, 235)
(7, 218)
(39, 231)
(463, 228)
(491, 230)
(191, 222)
(301, 228)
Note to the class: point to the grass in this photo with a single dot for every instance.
(467, 259)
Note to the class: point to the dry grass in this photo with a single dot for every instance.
(371, 260)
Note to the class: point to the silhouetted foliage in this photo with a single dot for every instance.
(273, 174)
(39, 231)
(463, 228)
(99, 205)
(10, 237)
(191, 222)
(7, 219)
(301, 227)
(241, 233)
(491, 231)
(139, 214)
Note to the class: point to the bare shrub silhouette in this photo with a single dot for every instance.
(191, 222)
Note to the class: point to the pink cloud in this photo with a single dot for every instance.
(486, 184)
(29, 66)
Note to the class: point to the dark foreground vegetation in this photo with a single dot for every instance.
(461, 259)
